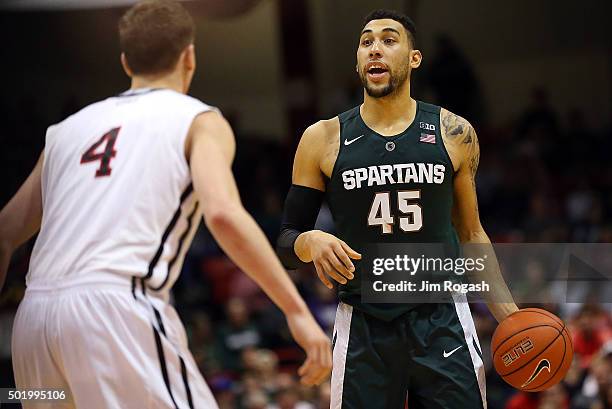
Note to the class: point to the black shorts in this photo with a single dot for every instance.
(430, 356)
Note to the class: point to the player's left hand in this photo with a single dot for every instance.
(330, 256)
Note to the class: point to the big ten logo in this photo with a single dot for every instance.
(425, 125)
(521, 348)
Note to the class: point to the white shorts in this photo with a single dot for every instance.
(107, 346)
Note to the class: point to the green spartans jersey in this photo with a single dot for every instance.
(396, 189)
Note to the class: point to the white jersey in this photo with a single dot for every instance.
(117, 195)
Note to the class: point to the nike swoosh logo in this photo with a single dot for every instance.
(447, 354)
(543, 364)
(347, 142)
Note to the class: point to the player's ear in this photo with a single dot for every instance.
(188, 62)
(189, 59)
(415, 59)
(126, 66)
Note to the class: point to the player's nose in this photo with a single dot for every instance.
(376, 49)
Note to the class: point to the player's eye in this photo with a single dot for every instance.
(389, 41)
(366, 42)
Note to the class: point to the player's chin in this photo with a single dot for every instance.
(378, 90)
(377, 87)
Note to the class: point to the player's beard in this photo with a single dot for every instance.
(396, 80)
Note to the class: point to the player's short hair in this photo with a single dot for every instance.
(403, 19)
(153, 33)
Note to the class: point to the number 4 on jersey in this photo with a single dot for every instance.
(380, 212)
(106, 155)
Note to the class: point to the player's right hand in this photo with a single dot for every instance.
(330, 255)
(316, 344)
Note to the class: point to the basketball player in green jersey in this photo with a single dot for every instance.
(393, 170)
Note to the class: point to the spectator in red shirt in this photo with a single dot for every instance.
(591, 331)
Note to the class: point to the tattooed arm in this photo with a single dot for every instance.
(462, 143)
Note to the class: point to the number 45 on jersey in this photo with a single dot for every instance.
(380, 211)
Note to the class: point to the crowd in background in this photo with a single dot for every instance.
(545, 177)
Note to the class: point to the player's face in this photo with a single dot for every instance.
(385, 57)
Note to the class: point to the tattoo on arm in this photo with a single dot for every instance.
(453, 124)
(474, 156)
(474, 151)
(462, 137)
(471, 135)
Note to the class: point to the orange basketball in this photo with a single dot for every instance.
(532, 349)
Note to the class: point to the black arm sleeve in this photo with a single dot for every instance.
(301, 210)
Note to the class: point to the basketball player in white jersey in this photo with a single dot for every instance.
(117, 195)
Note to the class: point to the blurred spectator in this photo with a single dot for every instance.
(578, 139)
(289, 398)
(554, 398)
(524, 400)
(542, 215)
(323, 305)
(237, 334)
(590, 332)
(539, 120)
(202, 343)
(595, 390)
(256, 400)
(454, 82)
(574, 379)
(324, 401)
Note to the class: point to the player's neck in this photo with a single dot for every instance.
(170, 81)
(388, 111)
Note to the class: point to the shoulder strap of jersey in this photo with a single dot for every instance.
(429, 108)
(350, 114)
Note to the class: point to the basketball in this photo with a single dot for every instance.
(532, 349)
